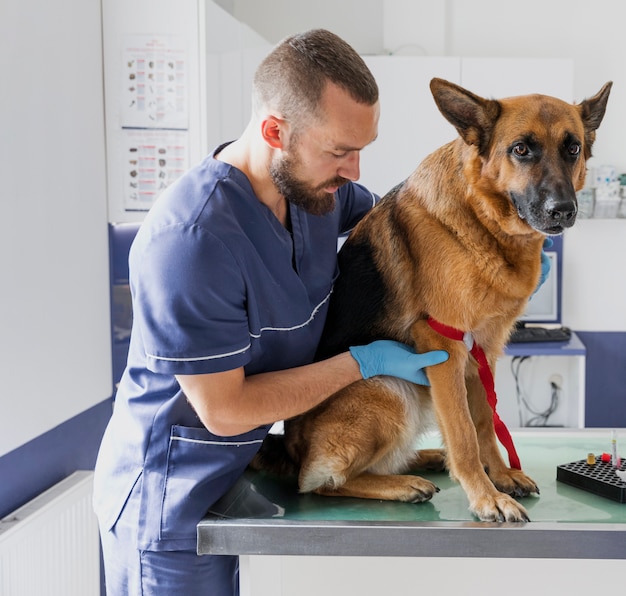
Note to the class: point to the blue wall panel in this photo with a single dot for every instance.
(39, 464)
(605, 391)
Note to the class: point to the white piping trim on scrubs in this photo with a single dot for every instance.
(315, 311)
(224, 443)
(253, 335)
(200, 358)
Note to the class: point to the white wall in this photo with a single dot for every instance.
(359, 22)
(54, 316)
(231, 54)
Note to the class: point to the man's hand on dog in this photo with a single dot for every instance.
(392, 358)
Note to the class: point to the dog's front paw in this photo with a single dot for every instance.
(514, 482)
(498, 508)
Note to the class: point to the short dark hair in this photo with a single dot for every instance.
(293, 76)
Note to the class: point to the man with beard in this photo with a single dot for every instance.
(231, 275)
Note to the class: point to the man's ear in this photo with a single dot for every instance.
(273, 130)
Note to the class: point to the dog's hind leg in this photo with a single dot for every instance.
(406, 488)
(361, 438)
(345, 473)
(433, 460)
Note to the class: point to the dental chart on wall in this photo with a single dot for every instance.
(153, 159)
(154, 116)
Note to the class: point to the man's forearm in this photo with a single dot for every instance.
(230, 403)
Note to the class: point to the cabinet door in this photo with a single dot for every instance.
(504, 77)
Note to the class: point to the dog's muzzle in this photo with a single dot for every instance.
(549, 214)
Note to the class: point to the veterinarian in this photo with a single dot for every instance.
(231, 274)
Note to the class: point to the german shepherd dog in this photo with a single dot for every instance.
(458, 242)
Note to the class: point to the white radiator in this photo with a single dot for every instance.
(50, 546)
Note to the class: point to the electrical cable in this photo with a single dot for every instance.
(539, 418)
(516, 363)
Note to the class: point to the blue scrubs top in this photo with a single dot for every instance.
(217, 283)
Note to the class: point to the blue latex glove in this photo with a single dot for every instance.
(545, 263)
(386, 357)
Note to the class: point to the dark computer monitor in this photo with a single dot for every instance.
(545, 305)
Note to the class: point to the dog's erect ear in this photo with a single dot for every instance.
(592, 112)
(592, 109)
(473, 116)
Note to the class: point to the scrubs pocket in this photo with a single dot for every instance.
(115, 500)
(201, 467)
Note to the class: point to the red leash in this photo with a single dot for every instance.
(486, 377)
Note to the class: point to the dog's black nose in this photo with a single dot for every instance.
(561, 211)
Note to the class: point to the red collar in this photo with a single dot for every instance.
(486, 378)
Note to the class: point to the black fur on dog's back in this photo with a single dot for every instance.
(344, 323)
(356, 318)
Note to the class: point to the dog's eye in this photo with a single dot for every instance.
(521, 149)
(574, 149)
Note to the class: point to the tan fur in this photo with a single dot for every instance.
(450, 243)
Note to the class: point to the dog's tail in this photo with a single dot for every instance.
(274, 458)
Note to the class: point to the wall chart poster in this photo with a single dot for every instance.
(153, 159)
(155, 82)
(154, 117)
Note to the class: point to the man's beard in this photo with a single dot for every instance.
(314, 200)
